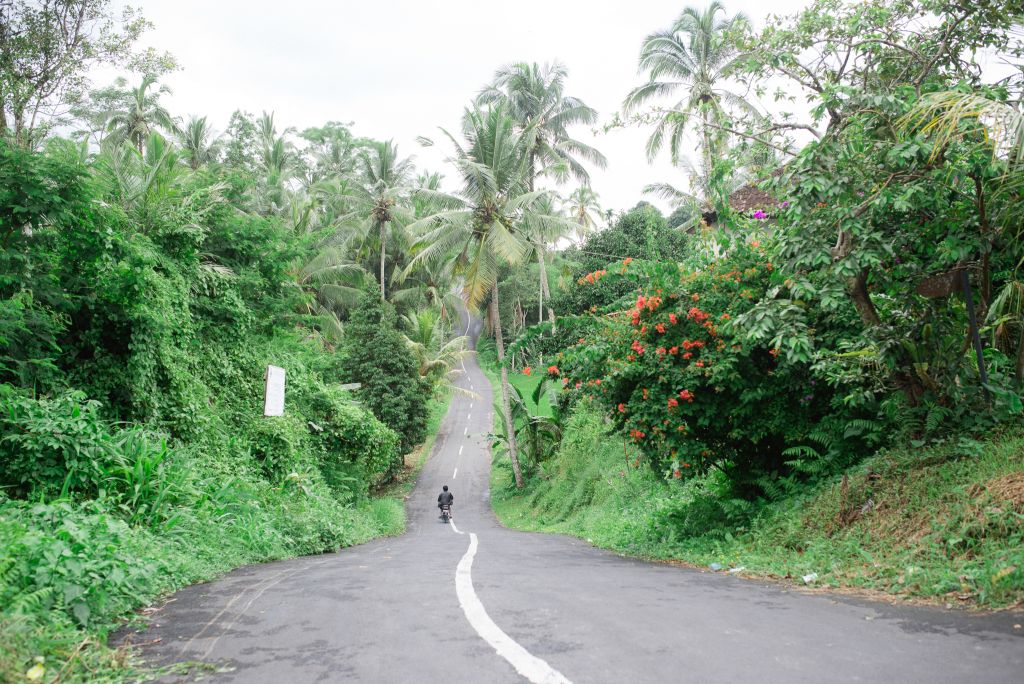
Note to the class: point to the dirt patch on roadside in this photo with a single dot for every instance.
(1008, 489)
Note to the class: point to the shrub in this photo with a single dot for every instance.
(376, 356)
(356, 449)
(686, 385)
(76, 559)
(52, 444)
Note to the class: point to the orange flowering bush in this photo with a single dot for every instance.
(685, 384)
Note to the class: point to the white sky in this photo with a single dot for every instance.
(401, 68)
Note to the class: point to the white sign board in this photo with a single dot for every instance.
(274, 403)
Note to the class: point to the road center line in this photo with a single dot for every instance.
(461, 447)
(469, 416)
(525, 663)
(455, 474)
(465, 430)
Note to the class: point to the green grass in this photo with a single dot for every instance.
(943, 523)
(526, 384)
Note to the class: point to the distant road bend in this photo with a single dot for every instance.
(474, 602)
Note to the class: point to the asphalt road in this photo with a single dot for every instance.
(436, 605)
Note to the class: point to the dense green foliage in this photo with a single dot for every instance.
(161, 308)
(683, 382)
(640, 233)
(375, 355)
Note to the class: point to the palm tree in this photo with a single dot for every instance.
(485, 222)
(149, 185)
(694, 56)
(536, 100)
(437, 360)
(383, 200)
(330, 283)
(197, 148)
(543, 234)
(583, 208)
(142, 115)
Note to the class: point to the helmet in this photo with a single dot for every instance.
(445, 488)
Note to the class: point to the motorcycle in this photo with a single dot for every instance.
(446, 513)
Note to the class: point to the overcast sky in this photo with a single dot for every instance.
(402, 68)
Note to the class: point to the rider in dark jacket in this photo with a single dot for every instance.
(445, 498)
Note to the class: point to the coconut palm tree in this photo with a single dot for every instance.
(536, 100)
(438, 360)
(583, 207)
(383, 206)
(487, 221)
(544, 234)
(694, 56)
(143, 113)
(197, 142)
(330, 284)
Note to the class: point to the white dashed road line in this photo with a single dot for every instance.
(455, 474)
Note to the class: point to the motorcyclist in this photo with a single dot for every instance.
(445, 498)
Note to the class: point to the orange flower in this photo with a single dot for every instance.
(552, 370)
(672, 318)
(627, 261)
(527, 371)
(622, 408)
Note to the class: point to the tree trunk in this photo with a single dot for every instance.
(506, 409)
(544, 289)
(708, 163)
(857, 287)
(383, 234)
